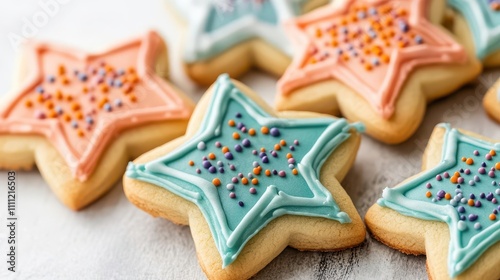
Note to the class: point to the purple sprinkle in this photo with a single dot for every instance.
(458, 186)
(291, 160)
(495, 211)
(446, 175)
(472, 196)
(490, 196)
(204, 158)
(461, 209)
(275, 132)
(265, 159)
(441, 194)
(232, 167)
(232, 195)
(461, 170)
(472, 217)
(482, 195)
(292, 148)
(228, 155)
(493, 183)
(252, 190)
(238, 148)
(198, 170)
(239, 125)
(254, 152)
(275, 172)
(282, 173)
(221, 169)
(206, 164)
(274, 154)
(491, 174)
(467, 171)
(244, 129)
(428, 185)
(240, 175)
(241, 203)
(462, 217)
(218, 144)
(212, 169)
(296, 142)
(483, 164)
(246, 143)
(481, 170)
(238, 115)
(487, 157)
(439, 178)
(478, 203)
(262, 154)
(234, 180)
(476, 152)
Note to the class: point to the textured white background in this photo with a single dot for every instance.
(112, 239)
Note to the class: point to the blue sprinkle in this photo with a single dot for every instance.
(418, 39)
(118, 102)
(40, 89)
(107, 107)
(74, 124)
(89, 120)
(83, 77)
(51, 78)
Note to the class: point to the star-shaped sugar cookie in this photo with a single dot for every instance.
(363, 58)
(79, 116)
(219, 33)
(478, 22)
(241, 175)
(449, 211)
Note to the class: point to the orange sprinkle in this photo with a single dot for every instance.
(428, 194)
(251, 131)
(334, 43)
(263, 150)
(497, 166)
(268, 172)
(463, 159)
(231, 123)
(282, 142)
(191, 163)
(59, 94)
(264, 129)
(126, 89)
(216, 182)
(385, 58)
(225, 149)
(277, 147)
(454, 179)
(61, 70)
(39, 98)
(28, 103)
(80, 133)
(69, 97)
(289, 155)
(104, 88)
(211, 156)
(236, 135)
(470, 202)
(256, 171)
(108, 68)
(75, 106)
(133, 98)
(447, 196)
(493, 153)
(52, 114)
(493, 217)
(66, 118)
(64, 80)
(345, 57)
(103, 101)
(255, 181)
(318, 32)
(368, 66)
(295, 172)
(401, 44)
(79, 115)
(469, 161)
(259, 167)
(456, 174)
(244, 181)
(131, 69)
(133, 78)
(49, 104)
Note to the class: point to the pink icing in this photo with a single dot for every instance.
(142, 98)
(336, 42)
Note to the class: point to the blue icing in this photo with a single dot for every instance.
(218, 17)
(470, 237)
(232, 224)
(484, 23)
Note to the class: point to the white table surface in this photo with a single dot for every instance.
(112, 239)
